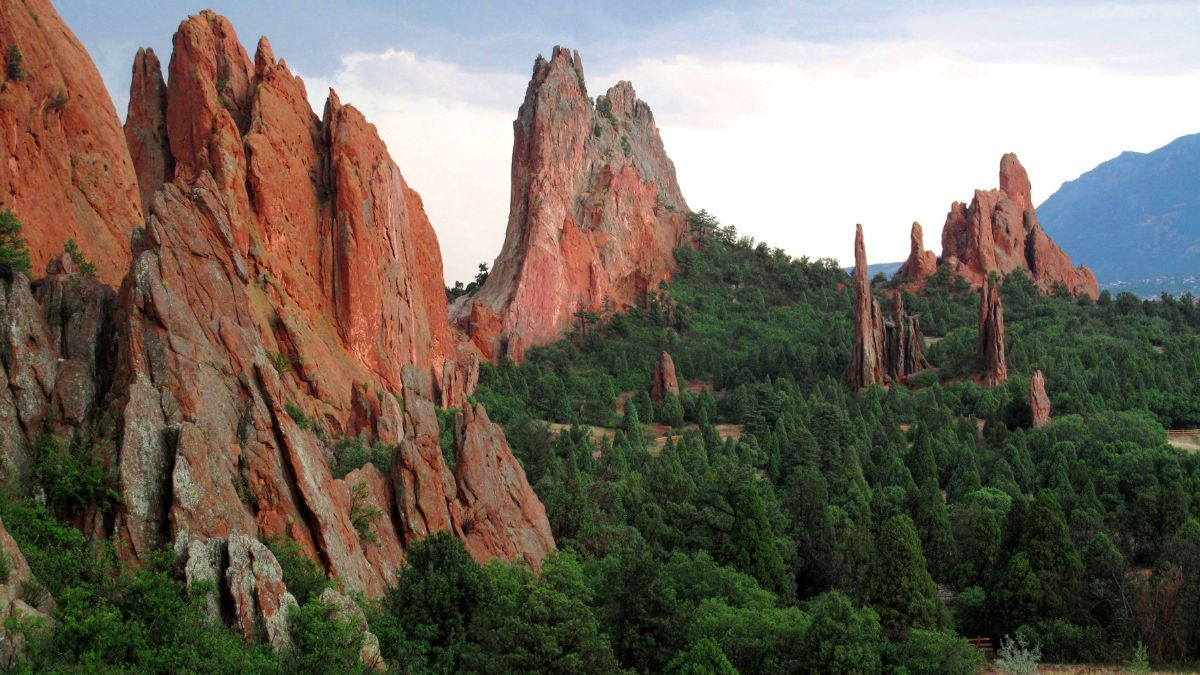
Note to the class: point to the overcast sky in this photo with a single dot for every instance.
(791, 120)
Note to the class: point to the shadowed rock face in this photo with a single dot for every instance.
(66, 171)
(286, 281)
(1039, 401)
(595, 214)
(999, 232)
(991, 335)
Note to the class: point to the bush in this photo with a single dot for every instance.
(303, 577)
(72, 478)
(322, 642)
(14, 254)
(14, 63)
(931, 651)
(353, 452)
(297, 414)
(86, 267)
(1018, 656)
(363, 514)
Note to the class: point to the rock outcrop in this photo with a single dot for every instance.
(999, 232)
(595, 215)
(866, 356)
(666, 381)
(284, 292)
(1039, 400)
(886, 349)
(287, 282)
(245, 576)
(990, 342)
(903, 354)
(920, 263)
(66, 172)
(56, 339)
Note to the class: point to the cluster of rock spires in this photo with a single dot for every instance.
(886, 350)
(596, 213)
(998, 232)
(281, 278)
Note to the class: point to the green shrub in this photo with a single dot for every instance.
(363, 513)
(280, 362)
(5, 567)
(303, 577)
(353, 452)
(86, 267)
(14, 63)
(14, 254)
(297, 414)
(445, 418)
(73, 479)
(322, 642)
(933, 652)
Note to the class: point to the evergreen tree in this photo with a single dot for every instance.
(899, 586)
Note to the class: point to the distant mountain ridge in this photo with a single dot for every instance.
(1136, 216)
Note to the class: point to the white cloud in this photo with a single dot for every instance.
(797, 142)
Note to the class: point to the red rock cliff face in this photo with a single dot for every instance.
(999, 232)
(286, 282)
(595, 216)
(66, 172)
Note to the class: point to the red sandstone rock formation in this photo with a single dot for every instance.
(999, 232)
(595, 216)
(886, 349)
(146, 126)
(920, 263)
(904, 354)
(666, 380)
(991, 335)
(866, 358)
(286, 281)
(66, 171)
(1039, 401)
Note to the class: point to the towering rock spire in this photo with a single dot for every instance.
(66, 172)
(146, 126)
(991, 334)
(920, 263)
(999, 232)
(1039, 400)
(595, 215)
(866, 359)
